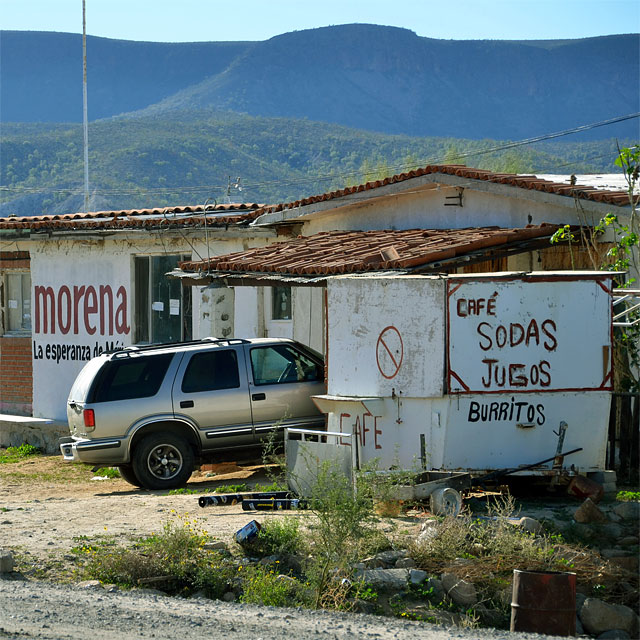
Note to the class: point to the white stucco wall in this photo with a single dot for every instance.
(425, 209)
(392, 396)
(68, 271)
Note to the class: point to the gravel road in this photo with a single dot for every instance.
(54, 612)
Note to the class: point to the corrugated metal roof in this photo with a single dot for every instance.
(338, 252)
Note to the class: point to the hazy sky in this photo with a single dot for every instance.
(214, 20)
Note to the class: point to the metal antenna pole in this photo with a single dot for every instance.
(85, 120)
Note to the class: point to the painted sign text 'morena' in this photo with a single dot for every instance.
(87, 309)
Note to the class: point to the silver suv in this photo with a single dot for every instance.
(156, 411)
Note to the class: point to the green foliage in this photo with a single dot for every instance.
(232, 488)
(187, 158)
(108, 472)
(279, 537)
(628, 496)
(16, 454)
(174, 560)
(263, 585)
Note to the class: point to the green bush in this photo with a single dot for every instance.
(174, 560)
(15, 454)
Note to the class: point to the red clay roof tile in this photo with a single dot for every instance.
(335, 252)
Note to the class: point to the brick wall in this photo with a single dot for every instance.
(16, 364)
(16, 376)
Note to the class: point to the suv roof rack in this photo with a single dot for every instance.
(127, 351)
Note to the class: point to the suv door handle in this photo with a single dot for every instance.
(259, 396)
(186, 404)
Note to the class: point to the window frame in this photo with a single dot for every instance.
(144, 331)
(7, 328)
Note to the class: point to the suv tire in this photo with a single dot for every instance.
(163, 461)
(127, 473)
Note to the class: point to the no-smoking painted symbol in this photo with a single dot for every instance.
(389, 352)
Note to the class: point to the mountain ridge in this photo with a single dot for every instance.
(371, 77)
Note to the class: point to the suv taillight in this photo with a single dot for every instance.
(89, 419)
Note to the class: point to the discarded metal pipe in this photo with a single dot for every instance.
(505, 472)
(265, 504)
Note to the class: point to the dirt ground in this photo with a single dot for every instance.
(46, 506)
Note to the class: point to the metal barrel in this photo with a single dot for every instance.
(544, 602)
(278, 495)
(211, 501)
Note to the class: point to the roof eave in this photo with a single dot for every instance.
(427, 182)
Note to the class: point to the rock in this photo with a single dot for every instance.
(627, 510)
(405, 563)
(384, 559)
(628, 541)
(89, 584)
(417, 576)
(614, 553)
(530, 525)
(612, 529)
(385, 579)
(583, 487)
(580, 600)
(615, 633)
(628, 563)
(598, 616)
(7, 563)
(215, 545)
(489, 617)
(364, 606)
(579, 627)
(461, 592)
(437, 590)
(229, 596)
(588, 512)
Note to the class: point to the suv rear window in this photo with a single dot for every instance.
(210, 371)
(126, 379)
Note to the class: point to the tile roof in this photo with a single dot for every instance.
(336, 252)
(188, 216)
(584, 192)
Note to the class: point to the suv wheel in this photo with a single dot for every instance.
(163, 461)
(127, 473)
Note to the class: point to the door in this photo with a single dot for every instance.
(212, 390)
(283, 379)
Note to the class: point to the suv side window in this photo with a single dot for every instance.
(210, 371)
(282, 363)
(126, 379)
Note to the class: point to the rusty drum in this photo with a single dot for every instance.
(544, 602)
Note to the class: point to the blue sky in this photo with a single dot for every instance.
(214, 20)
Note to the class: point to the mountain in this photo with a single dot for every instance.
(376, 78)
(41, 73)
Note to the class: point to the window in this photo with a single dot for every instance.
(162, 307)
(211, 371)
(281, 303)
(17, 302)
(129, 378)
(282, 363)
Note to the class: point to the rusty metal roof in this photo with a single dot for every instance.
(187, 216)
(583, 192)
(339, 252)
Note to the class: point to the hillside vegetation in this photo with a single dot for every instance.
(189, 157)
